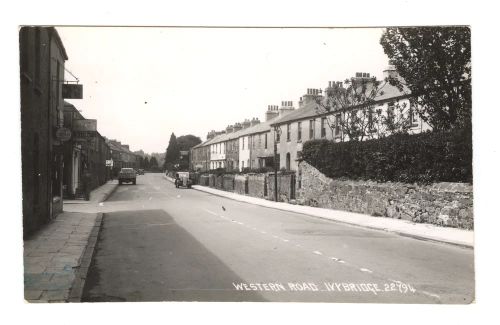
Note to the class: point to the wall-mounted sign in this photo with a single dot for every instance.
(63, 134)
(85, 125)
(72, 91)
(109, 163)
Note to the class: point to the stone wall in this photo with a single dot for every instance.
(241, 184)
(204, 180)
(228, 183)
(211, 180)
(445, 204)
(286, 187)
(257, 185)
(219, 182)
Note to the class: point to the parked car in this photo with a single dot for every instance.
(127, 175)
(183, 179)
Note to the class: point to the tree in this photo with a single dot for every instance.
(153, 163)
(172, 153)
(186, 142)
(435, 65)
(145, 162)
(349, 109)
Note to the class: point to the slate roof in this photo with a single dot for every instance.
(309, 110)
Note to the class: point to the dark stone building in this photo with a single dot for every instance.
(42, 58)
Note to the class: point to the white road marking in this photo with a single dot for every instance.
(366, 270)
(178, 196)
(101, 204)
(341, 261)
(263, 232)
(334, 258)
(318, 253)
(285, 240)
(430, 294)
(211, 212)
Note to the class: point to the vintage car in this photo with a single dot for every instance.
(127, 175)
(184, 179)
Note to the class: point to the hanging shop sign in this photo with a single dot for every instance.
(63, 134)
(85, 125)
(72, 91)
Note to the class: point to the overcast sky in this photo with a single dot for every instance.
(142, 84)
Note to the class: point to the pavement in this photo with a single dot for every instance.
(422, 231)
(57, 257)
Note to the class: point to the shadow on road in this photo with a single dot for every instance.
(145, 256)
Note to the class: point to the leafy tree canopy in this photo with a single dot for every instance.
(186, 142)
(435, 65)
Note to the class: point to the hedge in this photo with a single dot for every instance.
(420, 158)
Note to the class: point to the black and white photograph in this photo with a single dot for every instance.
(215, 164)
(297, 163)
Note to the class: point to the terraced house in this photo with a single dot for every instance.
(253, 146)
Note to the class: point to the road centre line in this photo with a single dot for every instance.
(318, 252)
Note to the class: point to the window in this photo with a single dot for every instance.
(288, 161)
(323, 128)
(288, 132)
(370, 120)
(390, 112)
(36, 170)
(243, 143)
(278, 136)
(337, 124)
(299, 131)
(265, 141)
(413, 116)
(311, 129)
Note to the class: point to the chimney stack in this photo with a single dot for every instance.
(390, 71)
(286, 107)
(229, 129)
(272, 112)
(311, 95)
(254, 121)
(237, 127)
(246, 123)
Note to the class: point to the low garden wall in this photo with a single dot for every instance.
(445, 204)
(228, 183)
(257, 185)
(286, 187)
(241, 184)
(211, 180)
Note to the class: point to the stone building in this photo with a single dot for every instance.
(122, 156)
(42, 59)
(72, 155)
(309, 122)
(200, 157)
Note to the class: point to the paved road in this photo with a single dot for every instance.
(159, 243)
